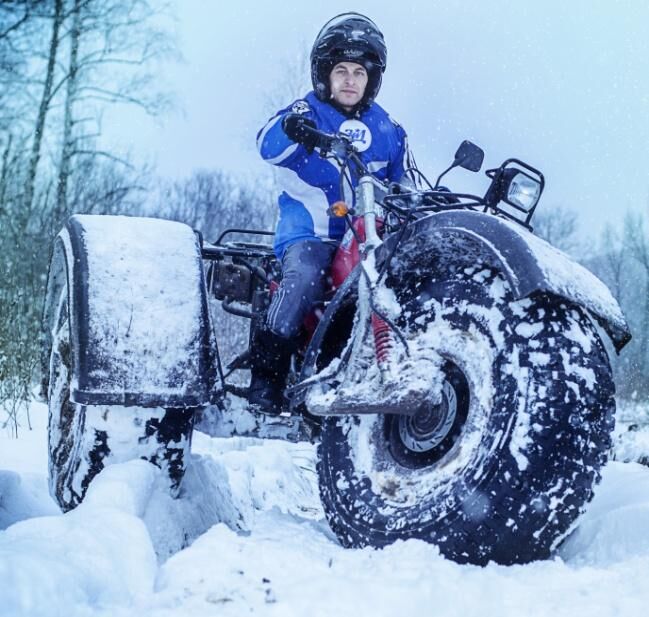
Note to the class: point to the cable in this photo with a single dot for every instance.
(420, 174)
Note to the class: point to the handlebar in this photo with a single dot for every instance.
(402, 200)
(339, 144)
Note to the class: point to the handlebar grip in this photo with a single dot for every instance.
(324, 139)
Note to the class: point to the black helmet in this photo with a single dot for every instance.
(349, 37)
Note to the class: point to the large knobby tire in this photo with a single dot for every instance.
(83, 439)
(501, 469)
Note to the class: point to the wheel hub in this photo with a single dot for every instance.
(423, 439)
(429, 426)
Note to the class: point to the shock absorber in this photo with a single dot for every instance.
(383, 342)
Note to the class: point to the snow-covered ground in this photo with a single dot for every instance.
(256, 543)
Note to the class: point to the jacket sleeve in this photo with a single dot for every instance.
(273, 144)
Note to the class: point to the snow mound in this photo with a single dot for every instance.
(21, 500)
(632, 445)
(263, 475)
(231, 481)
(247, 535)
(96, 555)
(631, 438)
(616, 526)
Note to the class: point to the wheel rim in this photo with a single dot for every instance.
(429, 426)
(423, 439)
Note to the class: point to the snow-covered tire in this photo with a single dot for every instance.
(83, 439)
(503, 467)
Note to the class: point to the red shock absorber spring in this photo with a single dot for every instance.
(382, 340)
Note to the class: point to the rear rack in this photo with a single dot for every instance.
(217, 250)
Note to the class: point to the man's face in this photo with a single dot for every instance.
(347, 82)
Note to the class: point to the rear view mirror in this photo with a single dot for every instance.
(469, 156)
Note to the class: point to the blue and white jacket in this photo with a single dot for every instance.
(311, 183)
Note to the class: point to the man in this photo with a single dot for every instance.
(347, 63)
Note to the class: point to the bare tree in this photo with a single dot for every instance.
(67, 142)
(16, 17)
(112, 46)
(559, 227)
(614, 258)
(12, 16)
(45, 102)
(96, 54)
(212, 202)
(105, 186)
(4, 174)
(637, 241)
(294, 81)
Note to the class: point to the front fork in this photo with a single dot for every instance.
(383, 337)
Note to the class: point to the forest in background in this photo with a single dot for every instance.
(63, 63)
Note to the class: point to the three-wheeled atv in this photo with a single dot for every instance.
(455, 379)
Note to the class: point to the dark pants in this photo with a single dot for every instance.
(305, 268)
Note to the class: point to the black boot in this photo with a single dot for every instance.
(270, 358)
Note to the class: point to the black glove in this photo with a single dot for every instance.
(296, 127)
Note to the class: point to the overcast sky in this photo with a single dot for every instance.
(561, 84)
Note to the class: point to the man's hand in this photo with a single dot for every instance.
(296, 127)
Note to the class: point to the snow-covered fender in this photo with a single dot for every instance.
(529, 263)
(463, 238)
(139, 320)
